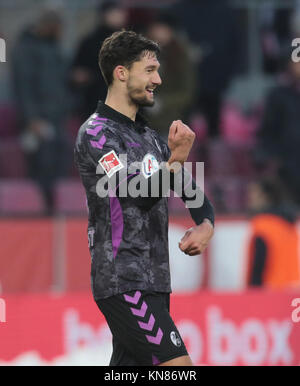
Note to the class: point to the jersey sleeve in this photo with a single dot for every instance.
(194, 198)
(99, 141)
(185, 186)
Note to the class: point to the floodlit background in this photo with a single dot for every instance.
(228, 73)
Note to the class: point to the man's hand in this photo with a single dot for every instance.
(180, 141)
(196, 239)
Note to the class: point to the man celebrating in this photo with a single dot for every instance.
(128, 236)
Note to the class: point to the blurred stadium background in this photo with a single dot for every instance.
(228, 73)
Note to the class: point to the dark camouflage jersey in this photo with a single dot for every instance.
(128, 243)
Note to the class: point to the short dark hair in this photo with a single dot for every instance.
(123, 48)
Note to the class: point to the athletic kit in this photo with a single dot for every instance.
(128, 236)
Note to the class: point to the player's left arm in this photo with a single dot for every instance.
(196, 239)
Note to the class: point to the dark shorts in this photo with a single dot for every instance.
(143, 331)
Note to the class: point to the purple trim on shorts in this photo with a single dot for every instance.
(133, 299)
(155, 361)
(149, 325)
(140, 312)
(155, 339)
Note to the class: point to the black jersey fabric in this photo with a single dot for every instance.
(128, 237)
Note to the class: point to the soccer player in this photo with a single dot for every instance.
(128, 236)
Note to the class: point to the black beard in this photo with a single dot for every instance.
(140, 101)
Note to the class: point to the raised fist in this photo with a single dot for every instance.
(180, 141)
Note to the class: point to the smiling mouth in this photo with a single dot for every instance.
(150, 91)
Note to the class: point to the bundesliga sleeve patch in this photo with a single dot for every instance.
(111, 163)
(149, 165)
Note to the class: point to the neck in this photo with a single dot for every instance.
(119, 102)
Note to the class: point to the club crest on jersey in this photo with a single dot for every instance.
(149, 165)
(111, 163)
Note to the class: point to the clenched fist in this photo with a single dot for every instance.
(180, 141)
(196, 239)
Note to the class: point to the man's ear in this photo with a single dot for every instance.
(121, 73)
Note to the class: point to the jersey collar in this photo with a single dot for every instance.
(139, 124)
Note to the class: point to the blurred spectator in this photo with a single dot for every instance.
(212, 28)
(86, 78)
(175, 95)
(273, 254)
(38, 70)
(279, 134)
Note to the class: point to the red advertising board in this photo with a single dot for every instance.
(26, 251)
(249, 328)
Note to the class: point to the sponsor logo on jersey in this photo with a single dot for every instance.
(149, 165)
(111, 163)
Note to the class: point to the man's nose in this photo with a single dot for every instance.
(156, 79)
